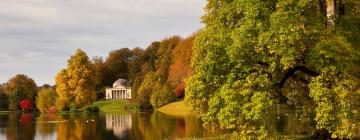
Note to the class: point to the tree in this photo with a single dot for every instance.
(145, 64)
(155, 83)
(46, 98)
(181, 56)
(99, 68)
(116, 66)
(25, 104)
(3, 99)
(18, 88)
(21, 83)
(63, 90)
(76, 84)
(251, 52)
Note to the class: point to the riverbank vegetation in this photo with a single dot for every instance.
(253, 55)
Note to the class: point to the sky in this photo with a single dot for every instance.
(37, 37)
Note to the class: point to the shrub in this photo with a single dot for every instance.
(180, 91)
(52, 109)
(95, 109)
(88, 109)
(25, 104)
(46, 98)
(162, 97)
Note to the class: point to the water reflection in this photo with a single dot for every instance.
(134, 126)
(120, 124)
(46, 126)
(20, 126)
(77, 127)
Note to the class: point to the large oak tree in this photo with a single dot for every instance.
(253, 54)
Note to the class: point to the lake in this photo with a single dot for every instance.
(126, 126)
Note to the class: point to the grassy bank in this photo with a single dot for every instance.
(178, 108)
(112, 105)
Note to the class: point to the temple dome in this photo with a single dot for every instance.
(120, 82)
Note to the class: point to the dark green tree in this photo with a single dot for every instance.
(116, 66)
(3, 99)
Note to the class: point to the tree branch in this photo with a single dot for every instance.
(292, 71)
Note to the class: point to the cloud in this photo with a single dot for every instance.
(38, 36)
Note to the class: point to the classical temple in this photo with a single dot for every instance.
(119, 91)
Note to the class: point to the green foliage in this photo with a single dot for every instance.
(337, 99)
(14, 99)
(76, 84)
(116, 66)
(163, 95)
(247, 52)
(46, 98)
(154, 88)
(93, 109)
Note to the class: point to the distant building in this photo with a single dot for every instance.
(119, 91)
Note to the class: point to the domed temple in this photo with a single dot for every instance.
(119, 91)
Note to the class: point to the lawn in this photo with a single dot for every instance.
(178, 108)
(112, 105)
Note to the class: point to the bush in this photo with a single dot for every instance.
(180, 91)
(25, 105)
(162, 97)
(88, 109)
(93, 109)
(52, 109)
(46, 98)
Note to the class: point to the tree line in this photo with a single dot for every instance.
(154, 73)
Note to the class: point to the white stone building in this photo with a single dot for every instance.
(119, 91)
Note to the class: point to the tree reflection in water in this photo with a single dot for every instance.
(77, 127)
(46, 125)
(280, 124)
(20, 126)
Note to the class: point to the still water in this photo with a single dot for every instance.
(126, 126)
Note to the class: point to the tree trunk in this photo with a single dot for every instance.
(330, 14)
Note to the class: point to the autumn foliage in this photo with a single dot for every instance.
(25, 104)
(181, 66)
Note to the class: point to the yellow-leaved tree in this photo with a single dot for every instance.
(75, 85)
(46, 98)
